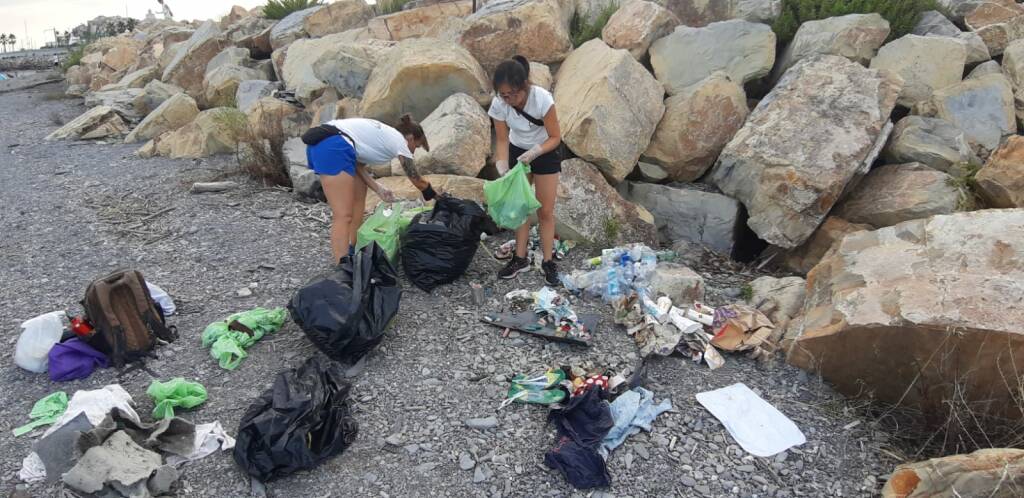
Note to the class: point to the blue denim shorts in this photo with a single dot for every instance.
(333, 155)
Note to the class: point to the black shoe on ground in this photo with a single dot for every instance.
(515, 266)
(550, 273)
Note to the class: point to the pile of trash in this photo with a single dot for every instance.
(560, 248)
(622, 278)
(98, 444)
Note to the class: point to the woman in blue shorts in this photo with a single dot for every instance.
(340, 161)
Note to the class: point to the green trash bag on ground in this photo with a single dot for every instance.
(175, 393)
(382, 227)
(510, 199)
(45, 412)
(228, 339)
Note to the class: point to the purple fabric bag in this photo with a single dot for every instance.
(74, 359)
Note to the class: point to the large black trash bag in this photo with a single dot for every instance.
(344, 313)
(297, 424)
(440, 244)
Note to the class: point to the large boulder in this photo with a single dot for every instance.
(589, 210)
(993, 472)
(933, 23)
(697, 124)
(220, 86)
(291, 28)
(134, 79)
(337, 16)
(174, 113)
(414, 23)
(706, 218)
(982, 107)
(417, 75)
(214, 131)
(540, 75)
(535, 29)
(855, 36)
(822, 126)
(780, 299)
(1013, 68)
(931, 141)
(98, 122)
(463, 187)
(998, 22)
(926, 64)
(804, 258)
(153, 94)
(310, 66)
(920, 314)
(459, 134)
(1001, 181)
(249, 92)
(608, 107)
(681, 284)
(121, 100)
(270, 117)
(896, 193)
(188, 67)
(984, 69)
(636, 25)
(743, 50)
(237, 13)
(253, 33)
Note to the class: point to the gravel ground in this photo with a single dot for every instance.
(72, 212)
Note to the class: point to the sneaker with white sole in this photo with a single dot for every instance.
(514, 267)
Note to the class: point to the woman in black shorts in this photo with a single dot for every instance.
(527, 130)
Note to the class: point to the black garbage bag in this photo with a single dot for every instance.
(440, 244)
(300, 422)
(344, 312)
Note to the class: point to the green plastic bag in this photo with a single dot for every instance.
(174, 393)
(510, 199)
(45, 412)
(382, 227)
(228, 339)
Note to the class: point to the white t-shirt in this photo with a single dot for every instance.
(376, 142)
(521, 132)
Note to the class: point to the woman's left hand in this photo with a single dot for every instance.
(528, 156)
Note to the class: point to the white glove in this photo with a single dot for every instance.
(386, 195)
(502, 165)
(530, 155)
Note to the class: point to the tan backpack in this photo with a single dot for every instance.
(126, 320)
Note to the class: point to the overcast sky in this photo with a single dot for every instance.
(41, 15)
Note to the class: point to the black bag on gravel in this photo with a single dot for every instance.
(344, 313)
(440, 244)
(299, 423)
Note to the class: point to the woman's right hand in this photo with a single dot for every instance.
(502, 166)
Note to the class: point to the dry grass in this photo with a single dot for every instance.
(261, 155)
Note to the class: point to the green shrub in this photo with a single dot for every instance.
(279, 9)
(582, 31)
(962, 179)
(902, 15)
(74, 57)
(385, 7)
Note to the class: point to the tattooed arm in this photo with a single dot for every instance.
(421, 184)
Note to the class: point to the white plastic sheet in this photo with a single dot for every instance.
(755, 424)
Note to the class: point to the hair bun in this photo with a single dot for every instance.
(406, 118)
(523, 62)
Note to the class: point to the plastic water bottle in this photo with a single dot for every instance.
(613, 288)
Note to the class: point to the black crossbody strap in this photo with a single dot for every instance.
(535, 121)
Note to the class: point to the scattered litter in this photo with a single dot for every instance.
(739, 327)
(175, 393)
(554, 310)
(228, 339)
(345, 312)
(476, 292)
(632, 411)
(756, 425)
(582, 425)
(209, 439)
(74, 359)
(528, 323)
(212, 187)
(96, 405)
(119, 463)
(37, 337)
(519, 295)
(162, 298)
(45, 412)
(541, 389)
(297, 424)
(510, 199)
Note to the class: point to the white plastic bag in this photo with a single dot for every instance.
(38, 336)
(162, 299)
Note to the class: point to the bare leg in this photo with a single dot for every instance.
(339, 190)
(523, 235)
(358, 208)
(547, 191)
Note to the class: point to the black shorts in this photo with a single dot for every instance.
(547, 164)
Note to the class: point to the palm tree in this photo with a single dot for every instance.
(11, 39)
(3, 41)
